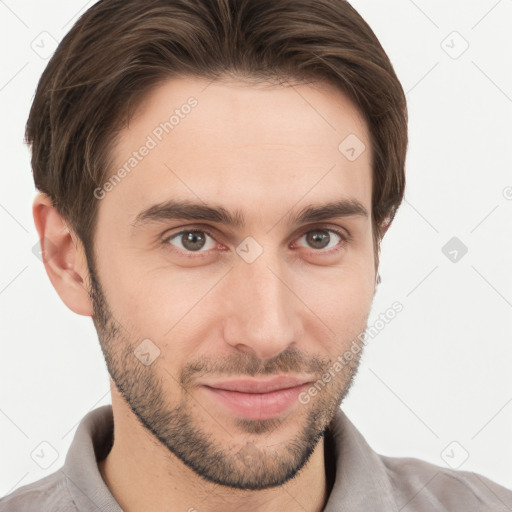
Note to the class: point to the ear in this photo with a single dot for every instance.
(385, 226)
(63, 256)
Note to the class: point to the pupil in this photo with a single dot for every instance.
(191, 241)
(323, 238)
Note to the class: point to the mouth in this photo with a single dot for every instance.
(257, 399)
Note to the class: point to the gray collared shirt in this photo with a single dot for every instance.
(364, 482)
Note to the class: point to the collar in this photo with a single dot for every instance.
(361, 480)
(92, 442)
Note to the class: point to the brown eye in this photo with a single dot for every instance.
(191, 240)
(318, 239)
(321, 239)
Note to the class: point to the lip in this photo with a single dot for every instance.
(256, 399)
(258, 385)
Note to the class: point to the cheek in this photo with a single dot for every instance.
(155, 301)
(340, 300)
(343, 307)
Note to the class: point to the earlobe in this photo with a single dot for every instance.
(63, 256)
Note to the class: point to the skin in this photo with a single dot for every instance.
(267, 151)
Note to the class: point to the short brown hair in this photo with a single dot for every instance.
(119, 49)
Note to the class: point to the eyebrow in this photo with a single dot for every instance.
(188, 210)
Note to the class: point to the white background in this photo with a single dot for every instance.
(438, 373)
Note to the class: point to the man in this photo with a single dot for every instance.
(215, 179)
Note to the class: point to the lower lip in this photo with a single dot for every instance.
(257, 406)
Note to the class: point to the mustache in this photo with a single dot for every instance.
(289, 361)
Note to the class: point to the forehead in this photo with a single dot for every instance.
(242, 145)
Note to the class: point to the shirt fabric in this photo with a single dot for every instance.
(364, 480)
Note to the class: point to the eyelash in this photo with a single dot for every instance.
(345, 238)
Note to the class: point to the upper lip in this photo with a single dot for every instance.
(258, 386)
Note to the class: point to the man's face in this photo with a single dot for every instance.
(269, 296)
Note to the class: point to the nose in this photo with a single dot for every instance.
(263, 314)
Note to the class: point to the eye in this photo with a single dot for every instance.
(200, 241)
(321, 239)
(192, 240)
